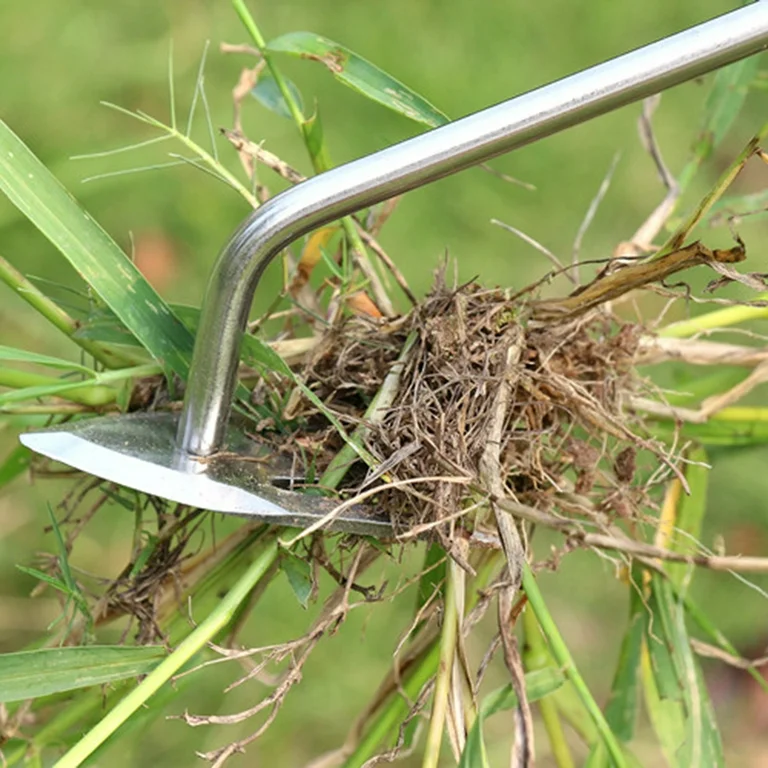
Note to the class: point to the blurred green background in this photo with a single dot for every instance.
(59, 60)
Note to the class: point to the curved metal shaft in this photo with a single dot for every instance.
(416, 162)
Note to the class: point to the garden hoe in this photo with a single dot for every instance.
(197, 458)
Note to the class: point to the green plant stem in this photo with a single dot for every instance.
(719, 318)
(29, 386)
(536, 657)
(83, 393)
(448, 640)
(565, 660)
(320, 160)
(51, 409)
(259, 42)
(395, 710)
(208, 589)
(216, 621)
(55, 315)
(172, 132)
(378, 408)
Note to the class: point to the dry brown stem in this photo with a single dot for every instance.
(611, 285)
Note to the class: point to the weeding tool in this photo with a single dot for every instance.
(180, 457)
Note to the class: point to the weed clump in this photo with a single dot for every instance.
(488, 395)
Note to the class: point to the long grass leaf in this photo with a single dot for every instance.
(92, 252)
(360, 75)
(621, 709)
(23, 356)
(718, 431)
(46, 671)
(538, 684)
(715, 193)
(95, 391)
(697, 735)
(724, 102)
(690, 513)
(267, 93)
(666, 716)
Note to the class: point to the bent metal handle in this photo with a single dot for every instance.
(416, 162)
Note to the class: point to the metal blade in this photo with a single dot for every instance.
(138, 451)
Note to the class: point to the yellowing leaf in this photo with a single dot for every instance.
(362, 304)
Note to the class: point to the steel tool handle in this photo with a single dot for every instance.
(416, 162)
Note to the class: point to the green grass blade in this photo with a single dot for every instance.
(727, 177)
(22, 356)
(538, 684)
(14, 464)
(666, 716)
(724, 102)
(96, 391)
(621, 709)
(474, 754)
(268, 94)
(29, 674)
(92, 252)
(46, 578)
(360, 75)
(299, 575)
(690, 514)
(718, 430)
(689, 732)
(660, 637)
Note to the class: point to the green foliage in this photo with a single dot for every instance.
(31, 187)
(360, 75)
(46, 671)
(621, 709)
(130, 317)
(15, 463)
(538, 684)
(299, 574)
(267, 93)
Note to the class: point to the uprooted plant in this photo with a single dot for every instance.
(474, 420)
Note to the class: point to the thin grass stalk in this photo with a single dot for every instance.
(217, 169)
(392, 713)
(448, 638)
(260, 43)
(378, 408)
(565, 660)
(83, 393)
(318, 159)
(536, 657)
(216, 621)
(718, 318)
(55, 315)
